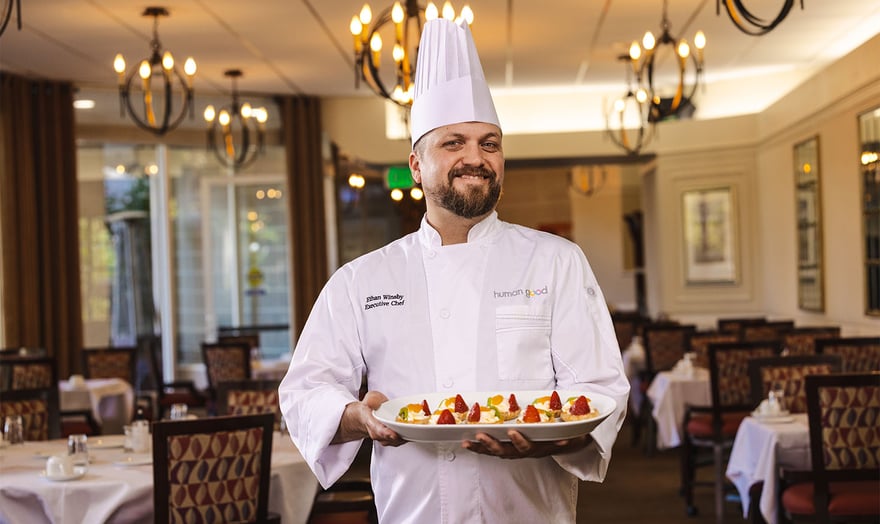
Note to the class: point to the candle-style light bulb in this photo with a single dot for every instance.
(431, 12)
(210, 113)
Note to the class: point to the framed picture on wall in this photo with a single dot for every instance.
(808, 213)
(709, 236)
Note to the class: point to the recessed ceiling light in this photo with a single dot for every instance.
(84, 104)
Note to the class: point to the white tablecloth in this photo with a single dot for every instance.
(115, 494)
(759, 450)
(111, 401)
(670, 393)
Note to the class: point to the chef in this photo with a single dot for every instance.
(466, 303)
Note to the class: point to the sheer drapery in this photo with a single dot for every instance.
(301, 132)
(38, 228)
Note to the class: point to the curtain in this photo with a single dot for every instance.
(38, 226)
(301, 134)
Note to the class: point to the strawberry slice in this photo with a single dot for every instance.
(531, 414)
(460, 405)
(425, 408)
(474, 415)
(581, 406)
(512, 403)
(555, 403)
(446, 417)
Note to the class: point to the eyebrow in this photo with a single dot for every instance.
(490, 134)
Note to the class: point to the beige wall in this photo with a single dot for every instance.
(752, 154)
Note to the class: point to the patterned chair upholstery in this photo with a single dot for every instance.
(802, 341)
(215, 469)
(118, 362)
(700, 340)
(626, 325)
(714, 428)
(18, 373)
(788, 373)
(859, 354)
(665, 344)
(735, 325)
(248, 397)
(226, 362)
(844, 484)
(766, 331)
(38, 409)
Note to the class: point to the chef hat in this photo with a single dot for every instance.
(450, 87)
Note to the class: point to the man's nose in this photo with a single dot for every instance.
(472, 155)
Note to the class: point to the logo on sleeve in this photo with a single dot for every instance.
(374, 301)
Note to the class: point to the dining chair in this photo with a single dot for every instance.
(251, 339)
(766, 331)
(711, 429)
(859, 354)
(802, 340)
(28, 373)
(844, 484)
(626, 325)
(224, 363)
(110, 362)
(735, 324)
(38, 408)
(215, 469)
(699, 341)
(665, 344)
(246, 397)
(788, 373)
(168, 393)
(351, 498)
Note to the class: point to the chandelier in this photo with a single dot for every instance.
(237, 131)
(747, 22)
(645, 63)
(406, 20)
(631, 108)
(6, 14)
(160, 69)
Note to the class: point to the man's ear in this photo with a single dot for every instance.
(415, 167)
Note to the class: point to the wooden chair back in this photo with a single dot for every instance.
(788, 373)
(226, 362)
(859, 354)
(736, 324)
(843, 411)
(802, 340)
(699, 344)
(247, 397)
(729, 375)
(766, 331)
(17, 373)
(38, 409)
(191, 456)
(627, 324)
(115, 362)
(665, 344)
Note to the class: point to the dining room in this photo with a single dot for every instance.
(119, 239)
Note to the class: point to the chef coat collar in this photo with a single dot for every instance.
(482, 231)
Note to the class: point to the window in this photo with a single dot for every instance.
(869, 149)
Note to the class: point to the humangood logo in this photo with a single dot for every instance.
(525, 291)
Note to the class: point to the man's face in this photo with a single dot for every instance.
(460, 167)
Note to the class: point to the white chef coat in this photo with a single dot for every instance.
(511, 309)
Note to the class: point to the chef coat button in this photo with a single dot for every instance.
(448, 383)
(444, 313)
(431, 253)
(591, 292)
(450, 456)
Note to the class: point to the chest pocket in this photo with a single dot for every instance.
(522, 341)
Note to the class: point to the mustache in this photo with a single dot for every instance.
(471, 171)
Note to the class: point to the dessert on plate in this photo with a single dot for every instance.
(507, 408)
(578, 408)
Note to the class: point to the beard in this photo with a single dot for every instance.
(472, 201)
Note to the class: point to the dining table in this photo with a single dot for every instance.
(118, 486)
(110, 400)
(670, 393)
(762, 447)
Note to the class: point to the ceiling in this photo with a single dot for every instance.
(304, 46)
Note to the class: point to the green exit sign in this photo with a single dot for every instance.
(399, 177)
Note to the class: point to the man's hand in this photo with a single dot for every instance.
(358, 422)
(521, 447)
